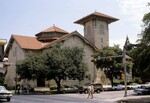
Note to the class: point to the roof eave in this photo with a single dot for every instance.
(91, 16)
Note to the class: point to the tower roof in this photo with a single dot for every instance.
(98, 15)
(53, 29)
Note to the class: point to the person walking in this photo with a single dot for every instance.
(90, 91)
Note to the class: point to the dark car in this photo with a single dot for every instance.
(69, 89)
(142, 90)
(97, 88)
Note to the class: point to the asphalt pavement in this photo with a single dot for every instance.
(103, 97)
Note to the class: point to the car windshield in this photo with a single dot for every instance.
(2, 88)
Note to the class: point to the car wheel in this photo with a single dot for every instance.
(86, 91)
(8, 99)
(63, 92)
(128, 88)
(98, 91)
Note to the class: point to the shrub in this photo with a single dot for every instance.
(53, 87)
(31, 90)
(135, 80)
(116, 82)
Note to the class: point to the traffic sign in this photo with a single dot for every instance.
(3, 41)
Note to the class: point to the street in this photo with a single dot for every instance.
(59, 98)
(103, 97)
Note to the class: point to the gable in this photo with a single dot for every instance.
(73, 39)
(31, 43)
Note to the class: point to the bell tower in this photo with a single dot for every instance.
(96, 29)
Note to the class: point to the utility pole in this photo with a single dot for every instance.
(125, 72)
(127, 43)
(123, 56)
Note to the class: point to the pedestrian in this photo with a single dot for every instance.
(90, 91)
(18, 89)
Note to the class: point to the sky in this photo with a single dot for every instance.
(29, 17)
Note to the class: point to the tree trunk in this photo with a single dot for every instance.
(58, 83)
(112, 73)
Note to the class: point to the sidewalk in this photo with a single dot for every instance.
(135, 99)
(119, 98)
(116, 97)
(111, 97)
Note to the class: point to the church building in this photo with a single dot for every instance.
(96, 36)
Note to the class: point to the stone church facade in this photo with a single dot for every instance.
(96, 36)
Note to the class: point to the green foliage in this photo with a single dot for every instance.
(1, 79)
(136, 80)
(54, 63)
(62, 63)
(141, 54)
(53, 87)
(116, 82)
(115, 63)
(31, 90)
(32, 67)
(113, 67)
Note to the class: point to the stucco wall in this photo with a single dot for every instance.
(97, 33)
(75, 41)
(15, 53)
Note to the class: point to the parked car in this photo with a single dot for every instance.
(133, 86)
(142, 90)
(5, 94)
(107, 87)
(118, 87)
(69, 89)
(147, 84)
(97, 88)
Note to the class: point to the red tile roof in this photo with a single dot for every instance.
(53, 29)
(32, 43)
(98, 15)
(27, 42)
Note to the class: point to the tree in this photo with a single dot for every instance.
(32, 68)
(113, 67)
(54, 63)
(1, 79)
(141, 54)
(62, 63)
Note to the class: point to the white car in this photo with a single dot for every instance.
(147, 84)
(118, 87)
(133, 86)
(5, 94)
